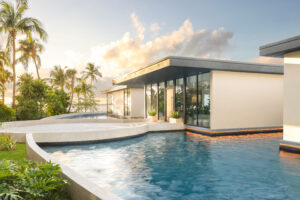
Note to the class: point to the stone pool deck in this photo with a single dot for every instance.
(82, 131)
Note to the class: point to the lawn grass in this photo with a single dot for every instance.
(18, 154)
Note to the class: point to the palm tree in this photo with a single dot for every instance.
(30, 50)
(5, 75)
(13, 22)
(86, 90)
(92, 72)
(58, 77)
(71, 76)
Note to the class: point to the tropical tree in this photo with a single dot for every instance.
(31, 98)
(71, 77)
(30, 50)
(85, 96)
(13, 22)
(86, 89)
(58, 77)
(92, 72)
(5, 75)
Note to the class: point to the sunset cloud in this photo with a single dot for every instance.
(131, 52)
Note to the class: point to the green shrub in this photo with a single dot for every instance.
(152, 112)
(31, 181)
(175, 114)
(6, 113)
(57, 102)
(7, 143)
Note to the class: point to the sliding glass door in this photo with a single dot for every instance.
(191, 100)
(179, 96)
(161, 101)
(204, 100)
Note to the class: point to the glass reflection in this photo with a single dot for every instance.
(204, 100)
(191, 100)
(161, 101)
(179, 95)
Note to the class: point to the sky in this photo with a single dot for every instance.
(122, 36)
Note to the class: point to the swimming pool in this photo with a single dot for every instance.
(188, 166)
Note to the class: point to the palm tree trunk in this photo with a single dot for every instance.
(3, 95)
(14, 70)
(72, 94)
(37, 69)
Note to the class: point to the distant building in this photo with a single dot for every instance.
(289, 49)
(211, 94)
(124, 102)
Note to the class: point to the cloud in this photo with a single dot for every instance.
(138, 25)
(268, 60)
(154, 27)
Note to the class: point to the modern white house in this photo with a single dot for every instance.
(212, 96)
(289, 49)
(124, 102)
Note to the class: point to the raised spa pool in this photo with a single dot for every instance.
(188, 166)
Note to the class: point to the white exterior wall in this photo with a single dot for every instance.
(137, 102)
(118, 102)
(291, 114)
(245, 100)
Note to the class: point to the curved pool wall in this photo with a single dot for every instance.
(85, 115)
(80, 188)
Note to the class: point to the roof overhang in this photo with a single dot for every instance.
(175, 67)
(278, 49)
(121, 87)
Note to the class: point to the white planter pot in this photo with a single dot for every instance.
(153, 118)
(175, 120)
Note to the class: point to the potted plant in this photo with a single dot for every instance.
(175, 117)
(152, 115)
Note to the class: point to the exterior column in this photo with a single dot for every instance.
(291, 99)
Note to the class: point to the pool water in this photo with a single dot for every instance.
(188, 166)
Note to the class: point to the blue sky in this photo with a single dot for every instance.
(81, 31)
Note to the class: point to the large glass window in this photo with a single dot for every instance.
(127, 102)
(204, 100)
(148, 98)
(161, 101)
(179, 96)
(154, 97)
(191, 100)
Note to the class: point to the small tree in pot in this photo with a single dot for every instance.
(152, 115)
(175, 117)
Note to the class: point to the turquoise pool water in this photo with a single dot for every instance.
(188, 166)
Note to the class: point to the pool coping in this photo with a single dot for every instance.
(289, 146)
(232, 132)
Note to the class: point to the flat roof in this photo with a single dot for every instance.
(175, 67)
(278, 49)
(120, 87)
